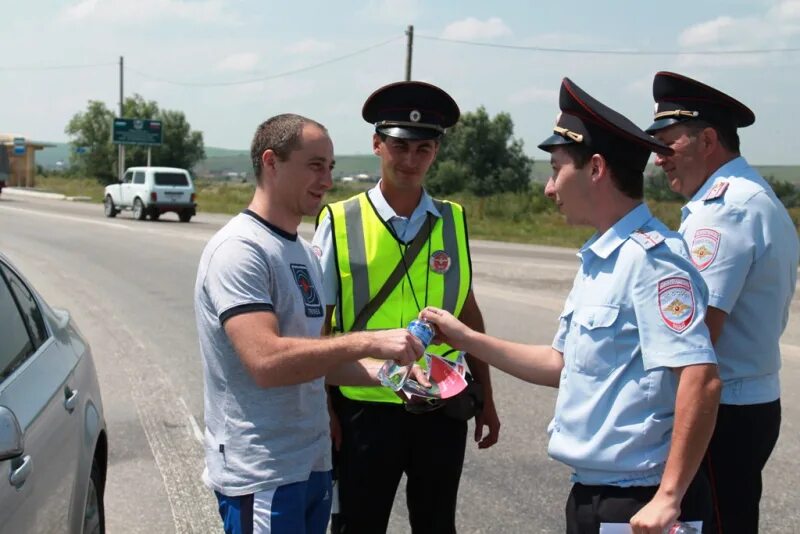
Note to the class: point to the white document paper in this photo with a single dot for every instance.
(625, 528)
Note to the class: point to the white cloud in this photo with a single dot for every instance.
(241, 62)
(308, 46)
(127, 11)
(394, 12)
(708, 33)
(768, 30)
(771, 29)
(641, 85)
(534, 95)
(788, 10)
(472, 28)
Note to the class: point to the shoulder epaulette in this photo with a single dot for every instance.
(718, 191)
(647, 239)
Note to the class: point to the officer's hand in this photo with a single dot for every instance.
(418, 374)
(449, 330)
(399, 345)
(657, 516)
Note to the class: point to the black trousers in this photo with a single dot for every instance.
(740, 447)
(382, 441)
(588, 506)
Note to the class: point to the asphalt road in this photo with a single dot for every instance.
(129, 286)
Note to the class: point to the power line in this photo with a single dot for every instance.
(614, 52)
(272, 76)
(55, 67)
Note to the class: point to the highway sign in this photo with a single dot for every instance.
(137, 132)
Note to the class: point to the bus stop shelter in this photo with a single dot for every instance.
(18, 159)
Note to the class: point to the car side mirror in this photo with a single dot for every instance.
(11, 439)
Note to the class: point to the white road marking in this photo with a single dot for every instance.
(66, 217)
(116, 226)
(198, 434)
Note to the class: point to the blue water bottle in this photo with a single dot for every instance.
(422, 330)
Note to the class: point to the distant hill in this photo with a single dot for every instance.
(224, 160)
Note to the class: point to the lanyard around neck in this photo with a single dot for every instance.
(401, 247)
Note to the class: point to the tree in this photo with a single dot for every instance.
(91, 129)
(182, 147)
(785, 191)
(656, 186)
(481, 155)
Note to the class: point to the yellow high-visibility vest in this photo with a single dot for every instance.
(367, 252)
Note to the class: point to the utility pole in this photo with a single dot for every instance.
(409, 51)
(121, 147)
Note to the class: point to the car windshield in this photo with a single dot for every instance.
(171, 178)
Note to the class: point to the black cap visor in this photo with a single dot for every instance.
(410, 133)
(554, 141)
(660, 124)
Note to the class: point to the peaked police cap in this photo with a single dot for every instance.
(411, 110)
(586, 121)
(680, 98)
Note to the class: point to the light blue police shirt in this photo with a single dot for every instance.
(635, 312)
(405, 228)
(745, 245)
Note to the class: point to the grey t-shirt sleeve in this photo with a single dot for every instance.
(238, 279)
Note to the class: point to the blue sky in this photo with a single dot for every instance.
(170, 43)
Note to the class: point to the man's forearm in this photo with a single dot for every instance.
(695, 415)
(363, 372)
(287, 361)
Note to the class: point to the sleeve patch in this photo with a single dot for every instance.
(647, 239)
(676, 302)
(718, 191)
(705, 245)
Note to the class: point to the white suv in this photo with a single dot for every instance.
(152, 191)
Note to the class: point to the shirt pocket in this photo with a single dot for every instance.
(596, 329)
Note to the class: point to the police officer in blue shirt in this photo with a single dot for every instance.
(632, 358)
(745, 245)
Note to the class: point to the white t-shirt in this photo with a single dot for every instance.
(257, 438)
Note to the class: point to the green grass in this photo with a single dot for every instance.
(520, 218)
(71, 187)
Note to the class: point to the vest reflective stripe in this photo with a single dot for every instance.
(366, 254)
(358, 259)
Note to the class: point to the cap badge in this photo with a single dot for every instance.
(440, 262)
(415, 115)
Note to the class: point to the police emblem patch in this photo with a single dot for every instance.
(676, 302)
(440, 262)
(704, 247)
(310, 296)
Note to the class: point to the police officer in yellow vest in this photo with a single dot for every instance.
(399, 247)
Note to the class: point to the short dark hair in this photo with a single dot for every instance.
(728, 137)
(629, 181)
(282, 134)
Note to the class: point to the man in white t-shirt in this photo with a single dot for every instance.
(259, 316)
